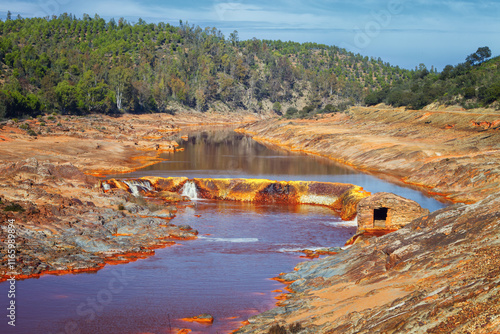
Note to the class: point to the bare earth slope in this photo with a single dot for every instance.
(63, 220)
(102, 144)
(451, 153)
(440, 273)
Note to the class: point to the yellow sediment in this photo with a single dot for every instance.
(340, 197)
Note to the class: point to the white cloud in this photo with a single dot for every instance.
(420, 29)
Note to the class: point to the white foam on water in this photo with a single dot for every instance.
(353, 222)
(233, 240)
(348, 223)
(135, 186)
(189, 190)
(299, 249)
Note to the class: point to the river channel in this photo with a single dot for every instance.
(226, 272)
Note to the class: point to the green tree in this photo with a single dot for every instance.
(200, 99)
(92, 94)
(66, 96)
(277, 107)
(119, 78)
(234, 37)
(479, 56)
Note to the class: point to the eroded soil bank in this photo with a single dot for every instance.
(63, 221)
(440, 273)
(452, 153)
(100, 144)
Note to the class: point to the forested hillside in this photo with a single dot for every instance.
(69, 65)
(472, 84)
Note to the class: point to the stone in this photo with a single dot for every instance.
(170, 196)
(204, 318)
(163, 214)
(387, 211)
(59, 233)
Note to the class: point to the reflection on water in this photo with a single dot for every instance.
(225, 153)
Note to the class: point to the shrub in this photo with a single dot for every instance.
(277, 329)
(14, 208)
(329, 108)
(295, 328)
(277, 107)
(291, 111)
(121, 207)
(469, 92)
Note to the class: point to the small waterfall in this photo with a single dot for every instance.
(190, 190)
(135, 186)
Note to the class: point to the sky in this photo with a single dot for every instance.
(402, 32)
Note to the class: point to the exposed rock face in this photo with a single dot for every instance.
(387, 211)
(59, 228)
(438, 274)
(46, 169)
(338, 196)
(419, 148)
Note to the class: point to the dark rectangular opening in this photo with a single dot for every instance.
(380, 217)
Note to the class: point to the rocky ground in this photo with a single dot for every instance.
(65, 223)
(101, 144)
(440, 274)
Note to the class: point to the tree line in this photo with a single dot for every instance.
(73, 65)
(472, 84)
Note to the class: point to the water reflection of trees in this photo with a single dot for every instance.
(225, 150)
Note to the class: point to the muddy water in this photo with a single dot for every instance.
(226, 272)
(221, 154)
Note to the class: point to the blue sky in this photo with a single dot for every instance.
(402, 32)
